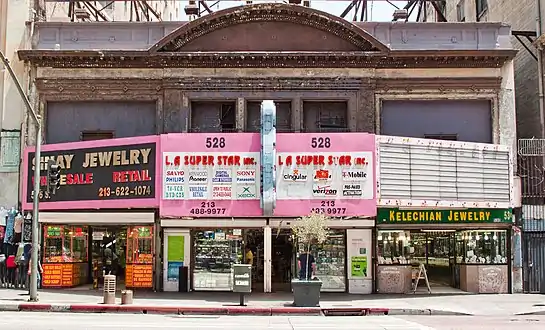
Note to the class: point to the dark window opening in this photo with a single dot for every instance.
(448, 137)
(482, 6)
(283, 116)
(96, 135)
(325, 117)
(213, 117)
(461, 11)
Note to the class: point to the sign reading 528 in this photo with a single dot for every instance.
(215, 142)
(320, 143)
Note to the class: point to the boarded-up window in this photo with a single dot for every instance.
(96, 135)
(325, 116)
(283, 116)
(213, 117)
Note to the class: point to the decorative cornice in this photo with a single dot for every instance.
(264, 84)
(269, 12)
(142, 59)
(99, 86)
(442, 85)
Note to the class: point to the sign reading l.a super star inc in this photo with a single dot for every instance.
(212, 175)
(326, 173)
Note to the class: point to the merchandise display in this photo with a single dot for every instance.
(331, 261)
(139, 268)
(65, 256)
(215, 253)
(481, 247)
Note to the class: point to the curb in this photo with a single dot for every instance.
(231, 310)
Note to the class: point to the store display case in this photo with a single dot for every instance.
(483, 260)
(65, 256)
(330, 261)
(215, 253)
(139, 257)
(394, 268)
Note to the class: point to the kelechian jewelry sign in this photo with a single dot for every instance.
(326, 173)
(208, 175)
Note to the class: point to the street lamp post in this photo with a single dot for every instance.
(37, 155)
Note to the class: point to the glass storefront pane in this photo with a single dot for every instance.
(215, 253)
(330, 261)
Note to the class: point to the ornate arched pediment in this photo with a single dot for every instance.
(269, 27)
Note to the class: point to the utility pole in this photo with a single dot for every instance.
(37, 155)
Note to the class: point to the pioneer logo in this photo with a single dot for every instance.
(198, 179)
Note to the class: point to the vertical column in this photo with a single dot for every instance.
(176, 111)
(267, 267)
(365, 116)
(241, 115)
(297, 114)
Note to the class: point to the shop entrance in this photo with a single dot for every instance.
(283, 261)
(436, 251)
(254, 254)
(78, 255)
(108, 252)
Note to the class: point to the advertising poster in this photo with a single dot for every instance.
(359, 266)
(175, 256)
(117, 173)
(211, 175)
(326, 173)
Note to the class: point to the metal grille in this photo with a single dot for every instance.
(283, 116)
(413, 172)
(531, 170)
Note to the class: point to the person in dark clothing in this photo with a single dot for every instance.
(307, 266)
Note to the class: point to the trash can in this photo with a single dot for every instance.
(109, 289)
(126, 297)
(183, 277)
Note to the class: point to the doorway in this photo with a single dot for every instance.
(254, 254)
(436, 250)
(283, 261)
(108, 252)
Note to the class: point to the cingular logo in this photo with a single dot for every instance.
(295, 175)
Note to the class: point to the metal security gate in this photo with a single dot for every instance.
(533, 254)
(531, 169)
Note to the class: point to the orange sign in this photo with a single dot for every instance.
(139, 276)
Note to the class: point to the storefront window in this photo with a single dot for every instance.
(330, 261)
(215, 253)
(140, 245)
(482, 247)
(394, 247)
(65, 244)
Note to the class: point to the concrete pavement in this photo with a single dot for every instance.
(47, 321)
(269, 304)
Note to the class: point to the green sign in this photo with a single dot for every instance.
(359, 266)
(397, 216)
(175, 248)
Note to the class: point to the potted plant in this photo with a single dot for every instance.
(308, 230)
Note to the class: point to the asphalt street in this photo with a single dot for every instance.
(70, 321)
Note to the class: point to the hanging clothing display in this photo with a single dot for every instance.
(10, 223)
(3, 215)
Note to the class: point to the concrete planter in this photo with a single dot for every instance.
(306, 293)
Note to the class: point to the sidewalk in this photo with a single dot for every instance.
(277, 303)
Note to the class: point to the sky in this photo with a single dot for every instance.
(379, 10)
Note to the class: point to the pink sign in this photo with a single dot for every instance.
(210, 175)
(332, 173)
(101, 174)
